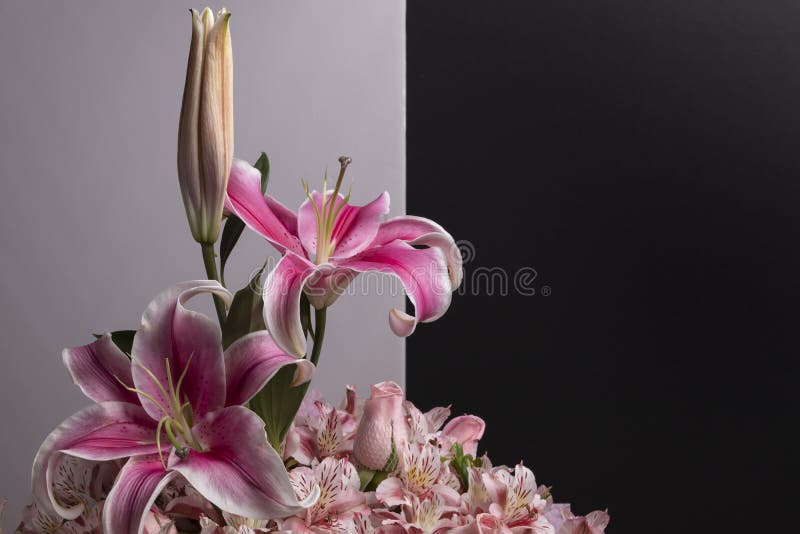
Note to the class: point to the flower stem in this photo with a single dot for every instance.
(319, 334)
(210, 262)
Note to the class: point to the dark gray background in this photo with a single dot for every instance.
(643, 158)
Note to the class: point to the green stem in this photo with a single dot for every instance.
(319, 334)
(210, 261)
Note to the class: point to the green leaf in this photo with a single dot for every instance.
(305, 314)
(262, 164)
(234, 226)
(123, 339)
(245, 314)
(231, 233)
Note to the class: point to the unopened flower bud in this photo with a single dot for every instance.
(205, 134)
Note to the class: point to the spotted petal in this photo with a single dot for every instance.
(238, 471)
(100, 369)
(104, 431)
(185, 340)
(137, 486)
(252, 361)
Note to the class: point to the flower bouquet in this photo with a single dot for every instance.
(202, 425)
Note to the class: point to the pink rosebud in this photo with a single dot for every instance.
(382, 431)
(465, 430)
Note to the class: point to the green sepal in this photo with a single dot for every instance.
(234, 226)
(376, 480)
(462, 462)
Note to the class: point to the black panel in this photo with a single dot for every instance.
(643, 158)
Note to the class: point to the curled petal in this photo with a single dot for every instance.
(282, 291)
(252, 361)
(422, 231)
(401, 323)
(238, 471)
(466, 430)
(424, 275)
(247, 202)
(104, 431)
(137, 486)
(186, 340)
(98, 368)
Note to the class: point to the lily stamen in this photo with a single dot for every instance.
(327, 212)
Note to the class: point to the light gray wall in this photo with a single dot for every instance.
(92, 221)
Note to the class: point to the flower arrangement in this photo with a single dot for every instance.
(209, 426)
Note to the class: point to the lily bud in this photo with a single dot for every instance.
(205, 133)
(382, 431)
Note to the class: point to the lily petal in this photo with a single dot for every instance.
(354, 229)
(247, 202)
(282, 290)
(137, 486)
(239, 472)
(104, 431)
(252, 361)
(98, 368)
(422, 231)
(171, 333)
(424, 275)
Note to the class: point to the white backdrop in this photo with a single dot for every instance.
(92, 221)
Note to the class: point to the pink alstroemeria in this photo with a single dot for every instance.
(421, 473)
(318, 433)
(516, 506)
(339, 500)
(329, 242)
(174, 408)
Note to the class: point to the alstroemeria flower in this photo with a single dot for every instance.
(318, 433)
(516, 505)
(329, 242)
(174, 408)
(421, 473)
(594, 523)
(339, 500)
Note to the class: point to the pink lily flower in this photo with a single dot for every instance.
(174, 408)
(329, 242)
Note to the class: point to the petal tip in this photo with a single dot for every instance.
(401, 323)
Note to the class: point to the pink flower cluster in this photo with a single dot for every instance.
(379, 465)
